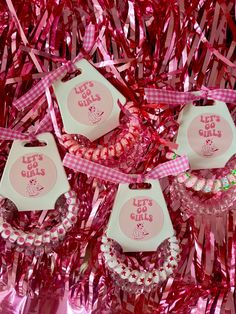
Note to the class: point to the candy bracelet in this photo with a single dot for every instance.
(192, 203)
(200, 184)
(135, 279)
(125, 141)
(34, 240)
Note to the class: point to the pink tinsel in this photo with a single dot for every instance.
(179, 45)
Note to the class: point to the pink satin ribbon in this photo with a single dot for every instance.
(154, 95)
(93, 169)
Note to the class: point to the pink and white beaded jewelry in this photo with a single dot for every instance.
(125, 141)
(192, 203)
(134, 279)
(200, 184)
(47, 238)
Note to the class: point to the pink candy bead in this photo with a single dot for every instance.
(199, 184)
(182, 177)
(208, 186)
(217, 185)
(191, 181)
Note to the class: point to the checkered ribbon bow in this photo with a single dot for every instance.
(154, 95)
(58, 74)
(93, 169)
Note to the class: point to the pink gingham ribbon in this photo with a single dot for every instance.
(93, 169)
(44, 126)
(9, 134)
(154, 95)
(58, 74)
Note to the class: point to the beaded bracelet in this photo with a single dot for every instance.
(133, 278)
(198, 184)
(46, 237)
(124, 142)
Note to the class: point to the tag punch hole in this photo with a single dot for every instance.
(35, 143)
(70, 75)
(204, 102)
(140, 186)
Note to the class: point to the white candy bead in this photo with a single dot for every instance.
(70, 194)
(148, 279)
(5, 225)
(107, 256)
(38, 239)
(141, 279)
(172, 261)
(175, 254)
(156, 276)
(73, 209)
(46, 237)
(173, 240)
(119, 268)
(21, 239)
(71, 217)
(67, 224)
(54, 234)
(133, 276)
(112, 263)
(168, 268)
(105, 248)
(104, 239)
(71, 201)
(29, 239)
(14, 236)
(125, 273)
(162, 274)
(174, 246)
(6, 233)
(61, 231)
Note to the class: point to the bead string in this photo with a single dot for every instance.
(47, 237)
(124, 142)
(140, 279)
(214, 186)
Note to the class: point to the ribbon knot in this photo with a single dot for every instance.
(139, 178)
(204, 94)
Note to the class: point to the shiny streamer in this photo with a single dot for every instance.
(177, 45)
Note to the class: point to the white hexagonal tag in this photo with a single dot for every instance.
(34, 177)
(88, 102)
(207, 135)
(140, 220)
